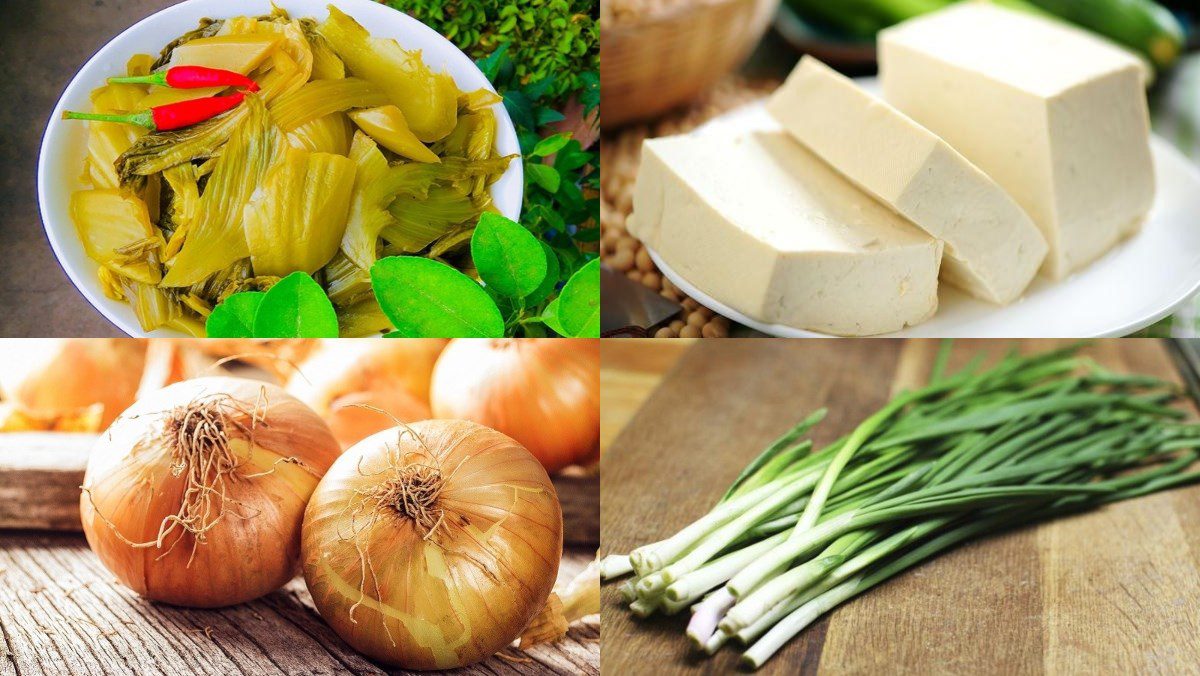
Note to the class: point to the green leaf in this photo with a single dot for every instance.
(544, 175)
(579, 302)
(550, 145)
(545, 116)
(520, 109)
(428, 299)
(296, 307)
(490, 66)
(234, 317)
(550, 318)
(549, 281)
(591, 234)
(509, 259)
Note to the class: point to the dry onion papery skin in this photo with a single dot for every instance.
(452, 575)
(55, 377)
(545, 393)
(176, 532)
(344, 379)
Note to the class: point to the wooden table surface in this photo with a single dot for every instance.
(62, 612)
(1111, 591)
(42, 45)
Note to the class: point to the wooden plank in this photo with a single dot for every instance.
(1111, 591)
(723, 403)
(629, 370)
(62, 612)
(40, 475)
(579, 495)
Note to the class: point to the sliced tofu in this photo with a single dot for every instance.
(1056, 116)
(764, 226)
(992, 248)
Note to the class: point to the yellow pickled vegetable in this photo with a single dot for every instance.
(421, 220)
(386, 124)
(326, 64)
(478, 99)
(155, 307)
(296, 219)
(429, 100)
(322, 97)
(116, 232)
(367, 202)
(215, 240)
(294, 45)
(139, 64)
(240, 53)
(363, 320)
(329, 134)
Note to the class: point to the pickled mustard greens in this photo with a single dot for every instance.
(352, 151)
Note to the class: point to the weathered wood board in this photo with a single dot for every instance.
(40, 475)
(1111, 591)
(62, 612)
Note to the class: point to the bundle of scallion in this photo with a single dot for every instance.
(801, 531)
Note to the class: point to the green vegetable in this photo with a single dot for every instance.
(549, 39)
(801, 531)
(296, 307)
(425, 298)
(508, 258)
(1141, 25)
(579, 303)
(863, 18)
(234, 318)
(1144, 26)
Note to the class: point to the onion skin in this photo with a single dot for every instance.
(53, 377)
(451, 600)
(393, 375)
(129, 484)
(545, 393)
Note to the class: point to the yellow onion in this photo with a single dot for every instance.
(196, 494)
(545, 393)
(432, 546)
(277, 356)
(56, 377)
(344, 380)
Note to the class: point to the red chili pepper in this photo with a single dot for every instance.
(170, 116)
(190, 77)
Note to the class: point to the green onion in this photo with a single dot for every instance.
(803, 529)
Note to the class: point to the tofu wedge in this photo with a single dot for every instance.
(992, 248)
(766, 227)
(1055, 115)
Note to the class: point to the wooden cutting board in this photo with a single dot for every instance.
(1112, 591)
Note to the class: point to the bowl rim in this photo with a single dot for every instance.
(509, 189)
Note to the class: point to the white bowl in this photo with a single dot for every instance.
(64, 145)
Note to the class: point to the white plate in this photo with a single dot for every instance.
(64, 146)
(1136, 284)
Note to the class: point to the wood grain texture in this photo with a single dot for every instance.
(62, 612)
(629, 370)
(40, 474)
(1111, 591)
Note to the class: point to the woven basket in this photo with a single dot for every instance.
(669, 59)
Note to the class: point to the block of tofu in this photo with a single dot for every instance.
(1054, 115)
(766, 227)
(992, 248)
